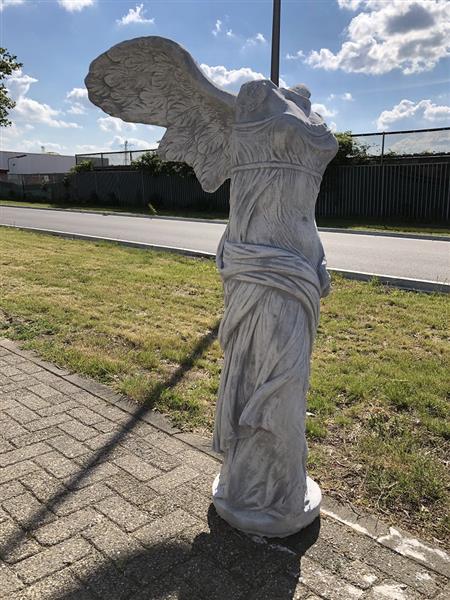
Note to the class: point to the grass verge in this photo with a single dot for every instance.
(191, 214)
(379, 428)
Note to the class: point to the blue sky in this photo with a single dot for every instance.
(370, 64)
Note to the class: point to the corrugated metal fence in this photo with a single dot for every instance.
(415, 190)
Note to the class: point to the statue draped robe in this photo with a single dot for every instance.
(272, 298)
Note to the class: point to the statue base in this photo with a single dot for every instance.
(258, 523)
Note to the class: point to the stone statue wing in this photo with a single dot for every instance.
(154, 80)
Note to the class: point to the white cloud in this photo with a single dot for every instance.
(115, 125)
(36, 112)
(345, 96)
(257, 40)
(5, 3)
(28, 110)
(406, 109)
(349, 4)
(75, 5)
(77, 94)
(37, 145)
(78, 99)
(297, 56)
(230, 33)
(323, 110)
(217, 28)
(230, 78)
(135, 15)
(77, 109)
(133, 143)
(411, 35)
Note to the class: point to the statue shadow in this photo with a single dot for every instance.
(214, 563)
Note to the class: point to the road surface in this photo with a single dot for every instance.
(380, 255)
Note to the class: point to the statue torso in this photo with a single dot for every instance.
(278, 163)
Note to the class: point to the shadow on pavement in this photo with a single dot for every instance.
(11, 542)
(217, 563)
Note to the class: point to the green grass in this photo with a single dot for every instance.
(145, 322)
(367, 224)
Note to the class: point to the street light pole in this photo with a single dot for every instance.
(275, 65)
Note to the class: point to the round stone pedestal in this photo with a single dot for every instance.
(259, 523)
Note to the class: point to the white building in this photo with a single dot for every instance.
(34, 163)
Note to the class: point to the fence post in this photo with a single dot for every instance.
(382, 174)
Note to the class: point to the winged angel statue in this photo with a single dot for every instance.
(275, 150)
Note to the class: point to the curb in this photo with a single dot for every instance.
(404, 283)
(106, 213)
(362, 523)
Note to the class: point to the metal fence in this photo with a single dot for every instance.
(413, 191)
(387, 144)
(104, 160)
(409, 143)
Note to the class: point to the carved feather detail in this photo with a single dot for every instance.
(154, 80)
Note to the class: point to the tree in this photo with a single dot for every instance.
(150, 162)
(8, 64)
(350, 149)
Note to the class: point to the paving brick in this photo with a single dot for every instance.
(11, 489)
(9, 582)
(165, 528)
(16, 471)
(85, 415)
(5, 446)
(137, 467)
(137, 492)
(404, 571)
(55, 409)
(106, 426)
(36, 436)
(27, 511)
(64, 386)
(59, 586)
(155, 456)
(22, 414)
(57, 464)
(198, 461)
(52, 559)
(68, 446)
(100, 575)
(78, 430)
(124, 514)
(44, 486)
(11, 429)
(165, 442)
(283, 588)
(30, 368)
(174, 478)
(326, 583)
(16, 543)
(92, 474)
(111, 413)
(42, 390)
(392, 590)
(45, 422)
(112, 541)
(212, 582)
(66, 527)
(9, 370)
(360, 574)
(21, 454)
(7, 401)
(81, 498)
(32, 401)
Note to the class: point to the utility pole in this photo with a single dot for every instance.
(275, 65)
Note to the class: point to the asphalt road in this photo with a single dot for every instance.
(393, 256)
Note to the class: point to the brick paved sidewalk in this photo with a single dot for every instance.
(101, 498)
